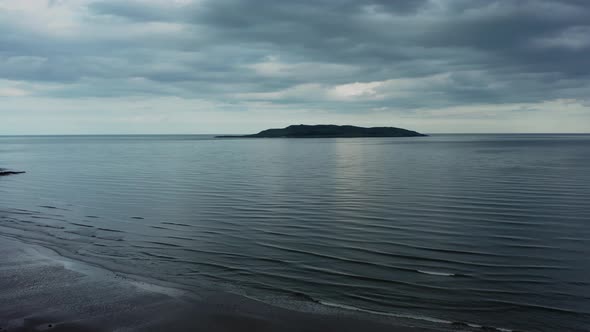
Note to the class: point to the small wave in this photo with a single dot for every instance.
(434, 273)
(164, 244)
(81, 225)
(52, 207)
(110, 230)
(175, 224)
(158, 255)
(408, 316)
(159, 227)
(382, 313)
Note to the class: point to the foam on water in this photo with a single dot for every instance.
(414, 317)
(433, 273)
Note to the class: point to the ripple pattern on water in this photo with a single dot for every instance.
(489, 229)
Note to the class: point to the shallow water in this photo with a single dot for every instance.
(487, 229)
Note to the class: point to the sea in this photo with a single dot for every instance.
(490, 230)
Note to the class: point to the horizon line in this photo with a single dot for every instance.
(210, 134)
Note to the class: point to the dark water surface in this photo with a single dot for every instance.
(487, 229)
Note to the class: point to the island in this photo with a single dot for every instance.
(329, 131)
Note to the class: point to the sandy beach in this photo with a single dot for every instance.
(42, 291)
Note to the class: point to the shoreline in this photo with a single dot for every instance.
(44, 291)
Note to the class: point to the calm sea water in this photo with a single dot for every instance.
(488, 229)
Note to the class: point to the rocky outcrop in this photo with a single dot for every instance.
(4, 172)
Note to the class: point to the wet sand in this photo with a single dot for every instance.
(42, 291)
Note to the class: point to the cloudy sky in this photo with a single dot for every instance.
(237, 66)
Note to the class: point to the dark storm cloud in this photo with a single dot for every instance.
(438, 52)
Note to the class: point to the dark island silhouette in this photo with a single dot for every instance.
(329, 131)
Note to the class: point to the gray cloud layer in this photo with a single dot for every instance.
(324, 55)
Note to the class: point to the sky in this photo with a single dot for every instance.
(241, 66)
